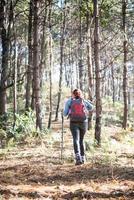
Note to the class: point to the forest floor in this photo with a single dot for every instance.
(35, 170)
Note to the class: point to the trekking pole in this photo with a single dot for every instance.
(62, 131)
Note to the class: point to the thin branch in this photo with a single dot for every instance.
(20, 81)
(108, 41)
(110, 62)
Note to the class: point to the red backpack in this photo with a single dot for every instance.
(77, 110)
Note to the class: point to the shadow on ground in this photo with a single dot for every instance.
(38, 172)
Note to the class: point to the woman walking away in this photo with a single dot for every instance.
(77, 109)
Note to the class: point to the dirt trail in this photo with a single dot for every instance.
(34, 179)
(37, 173)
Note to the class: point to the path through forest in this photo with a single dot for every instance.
(36, 172)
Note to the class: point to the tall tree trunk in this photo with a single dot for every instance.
(43, 41)
(97, 73)
(125, 44)
(5, 28)
(15, 76)
(29, 68)
(50, 82)
(80, 50)
(4, 71)
(113, 83)
(50, 68)
(19, 65)
(89, 63)
(71, 63)
(89, 58)
(62, 43)
(36, 70)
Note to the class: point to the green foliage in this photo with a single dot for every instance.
(125, 136)
(3, 134)
(6, 126)
(25, 123)
(86, 7)
(39, 134)
(114, 142)
(24, 126)
(108, 9)
(118, 106)
(4, 120)
(82, 8)
(107, 102)
(112, 112)
(11, 143)
(131, 114)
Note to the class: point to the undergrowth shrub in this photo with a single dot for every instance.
(112, 146)
(112, 112)
(24, 125)
(23, 128)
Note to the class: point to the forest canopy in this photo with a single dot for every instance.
(50, 47)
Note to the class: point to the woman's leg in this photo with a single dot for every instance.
(82, 143)
(83, 129)
(76, 134)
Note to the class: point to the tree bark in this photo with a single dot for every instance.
(125, 50)
(97, 73)
(50, 82)
(4, 71)
(36, 70)
(50, 68)
(89, 64)
(80, 50)
(5, 28)
(15, 76)
(29, 68)
(62, 43)
(43, 41)
(113, 83)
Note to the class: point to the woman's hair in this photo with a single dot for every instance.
(77, 93)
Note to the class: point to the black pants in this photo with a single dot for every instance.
(78, 130)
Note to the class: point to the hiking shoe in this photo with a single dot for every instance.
(78, 162)
(78, 159)
(83, 159)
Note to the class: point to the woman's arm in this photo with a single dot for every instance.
(67, 107)
(88, 105)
